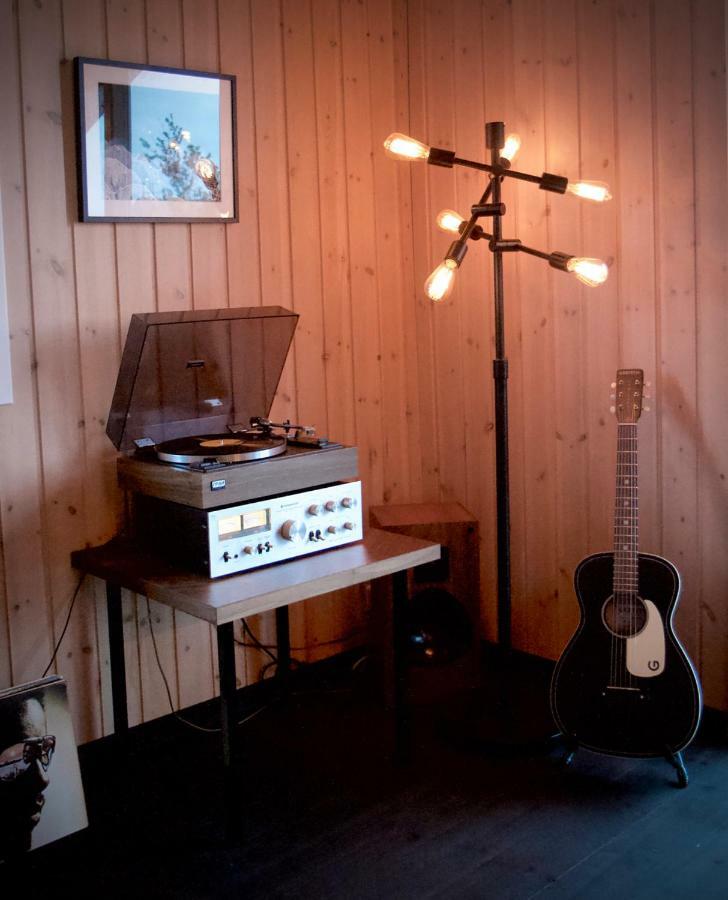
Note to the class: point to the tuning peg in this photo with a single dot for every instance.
(613, 385)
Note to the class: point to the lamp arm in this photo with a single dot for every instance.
(546, 181)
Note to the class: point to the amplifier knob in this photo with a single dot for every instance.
(347, 502)
(331, 529)
(330, 505)
(349, 526)
(291, 530)
(248, 549)
(314, 509)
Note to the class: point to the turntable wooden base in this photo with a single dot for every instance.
(295, 470)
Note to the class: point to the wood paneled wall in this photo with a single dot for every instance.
(626, 91)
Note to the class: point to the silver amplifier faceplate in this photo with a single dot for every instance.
(249, 535)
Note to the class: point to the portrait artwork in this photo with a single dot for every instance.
(41, 794)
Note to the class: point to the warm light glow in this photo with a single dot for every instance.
(449, 220)
(402, 147)
(205, 168)
(590, 190)
(512, 146)
(591, 271)
(440, 282)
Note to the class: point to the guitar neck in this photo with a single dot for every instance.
(626, 512)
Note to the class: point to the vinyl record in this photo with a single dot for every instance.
(229, 448)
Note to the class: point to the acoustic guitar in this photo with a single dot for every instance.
(624, 684)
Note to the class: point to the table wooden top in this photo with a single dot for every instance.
(232, 597)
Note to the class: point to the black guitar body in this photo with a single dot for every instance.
(596, 700)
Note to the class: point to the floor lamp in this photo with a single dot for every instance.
(440, 283)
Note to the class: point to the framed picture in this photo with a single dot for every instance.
(154, 144)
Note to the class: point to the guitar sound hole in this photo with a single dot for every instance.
(624, 616)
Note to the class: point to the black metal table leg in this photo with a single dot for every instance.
(228, 710)
(399, 642)
(283, 641)
(116, 656)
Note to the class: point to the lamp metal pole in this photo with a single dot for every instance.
(495, 141)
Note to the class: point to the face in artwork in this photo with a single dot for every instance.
(26, 750)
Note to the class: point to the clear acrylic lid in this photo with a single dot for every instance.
(198, 371)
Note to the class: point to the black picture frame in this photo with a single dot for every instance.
(138, 163)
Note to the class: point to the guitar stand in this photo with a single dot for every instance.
(675, 759)
(678, 763)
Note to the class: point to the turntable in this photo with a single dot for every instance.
(190, 409)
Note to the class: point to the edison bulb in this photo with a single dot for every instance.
(440, 282)
(590, 190)
(511, 148)
(449, 220)
(400, 146)
(590, 271)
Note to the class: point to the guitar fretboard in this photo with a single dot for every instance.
(626, 509)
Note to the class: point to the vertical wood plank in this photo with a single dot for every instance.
(400, 41)
(94, 250)
(676, 389)
(440, 130)
(421, 308)
(334, 222)
(362, 249)
(535, 614)
(57, 350)
(635, 266)
(475, 296)
(711, 228)
(272, 157)
(26, 632)
(595, 30)
(390, 248)
(243, 246)
(561, 126)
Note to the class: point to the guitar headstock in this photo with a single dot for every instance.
(628, 395)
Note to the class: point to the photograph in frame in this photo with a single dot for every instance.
(154, 144)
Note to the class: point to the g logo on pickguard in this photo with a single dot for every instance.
(653, 665)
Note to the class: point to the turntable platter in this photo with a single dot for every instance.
(226, 448)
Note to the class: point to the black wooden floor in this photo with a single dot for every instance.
(329, 816)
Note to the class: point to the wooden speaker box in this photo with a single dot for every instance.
(444, 598)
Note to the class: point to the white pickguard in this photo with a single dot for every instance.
(646, 650)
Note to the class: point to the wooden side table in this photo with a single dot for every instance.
(121, 564)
